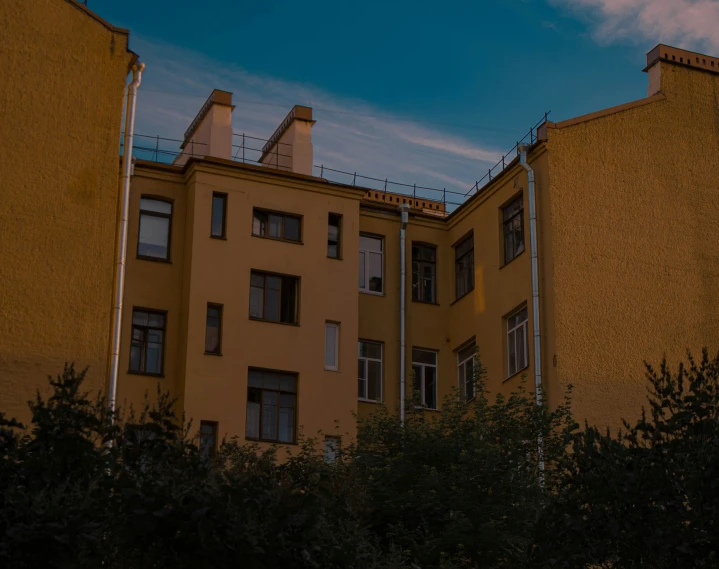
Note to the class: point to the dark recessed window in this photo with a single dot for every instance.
(513, 216)
(277, 225)
(465, 371)
(371, 264)
(148, 341)
(517, 342)
(219, 215)
(464, 266)
(274, 297)
(208, 438)
(153, 240)
(334, 225)
(213, 329)
(369, 371)
(424, 368)
(424, 270)
(271, 406)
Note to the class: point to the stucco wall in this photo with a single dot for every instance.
(635, 239)
(61, 97)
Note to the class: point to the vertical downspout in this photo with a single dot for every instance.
(535, 290)
(119, 290)
(404, 212)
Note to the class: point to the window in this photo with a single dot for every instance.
(276, 225)
(148, 341)
(213, 329)
(424, 366)
(153, 241)
(517, 348)
(370, 264)
(219, 215)
(369, 371)
(332, 448)
(332, 340)
(464, 266)
(423, 273)
(208, 438)
(273, 297)
(271, 406)
(465, 367)
(513, 217)
(333, 235)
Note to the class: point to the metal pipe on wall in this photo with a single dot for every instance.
(535, 287)
(119, 290)
(404, 220)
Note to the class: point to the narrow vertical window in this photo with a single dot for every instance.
(513, 228)
(153, 240)
(219, 215)
(333, 235)
(371, 264)
(424, 368)
(213, 329)
(332, 340)
(424, 270)
(208, 438)
(517, 342)
(332, 448)
(271, 406)
(369, 372)
(147, 347)
(464, 266)
(465, 371)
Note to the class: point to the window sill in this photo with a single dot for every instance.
(131, 372)
(154, 259)
(371, 292)
(219, 237)
(422, 408)
(512, 259)
(334, 258)
(270, 441)
(521, 371)
(332, 369)
(254, 319)
(277, 239)
(213, 354)
(426, 302)
(375, 401)
(465, 295)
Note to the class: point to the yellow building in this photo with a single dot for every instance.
(268, 300)
(61, 97)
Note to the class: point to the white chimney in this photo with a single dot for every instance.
(290, 147)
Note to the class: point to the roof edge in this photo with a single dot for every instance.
(97, 18)
(606, 112)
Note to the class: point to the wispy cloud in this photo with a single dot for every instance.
(692, 24)
(350, 135)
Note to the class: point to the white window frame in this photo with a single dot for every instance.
(461, 372)
(366, 368)
(365, 284)
(336, 326)
(515, 330)
(422, 384)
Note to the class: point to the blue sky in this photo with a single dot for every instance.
(412, 90)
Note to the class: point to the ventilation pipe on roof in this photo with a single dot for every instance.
(404, 212)
(535, 292)
(119, 290)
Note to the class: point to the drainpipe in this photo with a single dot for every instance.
(404, 212)
(535, 292)
(119, 290)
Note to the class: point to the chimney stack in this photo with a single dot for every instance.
(666, 54)
(290, 147)
(210, 133)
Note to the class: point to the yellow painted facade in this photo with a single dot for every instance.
(627, 241)
(61, 100)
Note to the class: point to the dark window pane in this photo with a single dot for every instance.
(271, 380)
(218, 215)
(333, 236)
(272, 305)
(139, 318)
(208, 439)
(362, 262)
(254, 378)
(136, 357)
(287, 425)
(288, 383)
(375, 272)
(368, 243)
(424, 357)
(370, 350)
(257, 301)
(362, 369)
(415, 281)
(269, 415)
(430, 387)
(417, 371)
(212, 333)
(466, 353)
(157, 206)
(156, 320)
(252, 424)
(292, 228)
(289, 300)
(374, 380)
